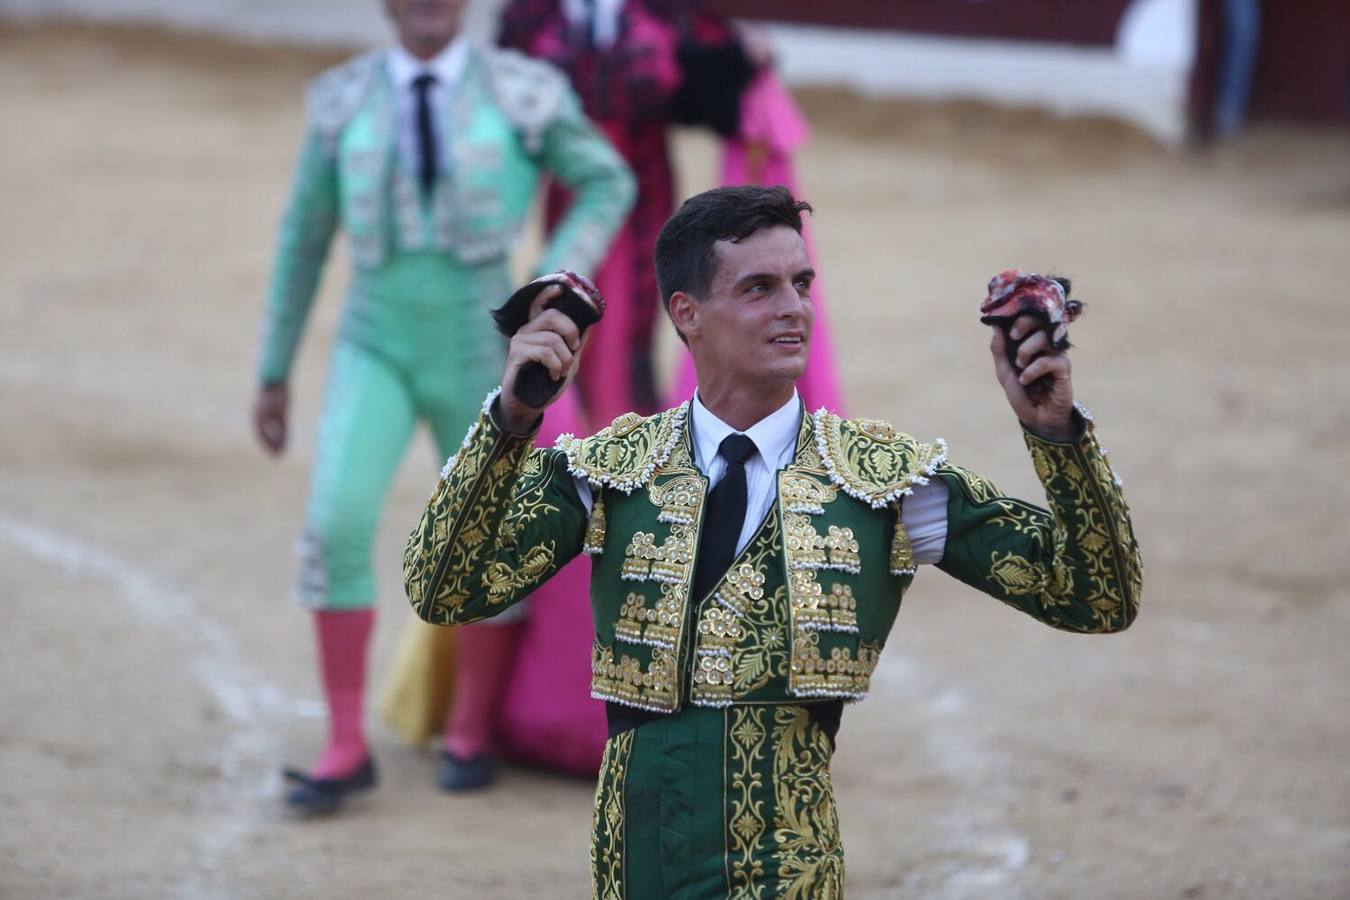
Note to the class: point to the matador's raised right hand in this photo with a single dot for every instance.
(551, 339)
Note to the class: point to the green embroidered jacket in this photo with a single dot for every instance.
(805, 609)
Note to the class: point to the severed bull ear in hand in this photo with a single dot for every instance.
(579, 300)
(1013, 294)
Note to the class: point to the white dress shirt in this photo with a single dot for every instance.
(923, 512)
(605, 25)
(404, 68)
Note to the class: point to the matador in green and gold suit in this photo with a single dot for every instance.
(725, 788)
(748, 559)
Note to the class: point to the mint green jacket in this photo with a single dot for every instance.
(510, 119)
(806, 608)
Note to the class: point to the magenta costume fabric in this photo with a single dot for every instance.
(548, 717)
(772, 128)
(625, 89)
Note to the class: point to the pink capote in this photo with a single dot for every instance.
(772, 128)
(548, 717)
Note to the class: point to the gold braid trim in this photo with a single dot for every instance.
(809, 854)
(1089, 512)
(746, 825)
(607, 864)
(596, 526)
(871, 461)
(463, 524)
(626, 454)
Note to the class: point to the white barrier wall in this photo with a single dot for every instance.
(1142, 79)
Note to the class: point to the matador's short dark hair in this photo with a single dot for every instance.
(686, 259)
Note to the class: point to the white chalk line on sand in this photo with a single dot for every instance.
(980, 856)
(248, 700)
(253, 704)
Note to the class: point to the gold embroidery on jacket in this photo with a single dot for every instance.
(841, 675)
(659, 627)
(802, 494)
(624, 681)
(723, 624)
(670, 562)
(815, 610)
(979, 489)
(465, 506)
(1090, 519)
(808, 549)
(870, 460)
(626, 454)
(741, 636)
(902, 551)
(594, 542)
(680, 499)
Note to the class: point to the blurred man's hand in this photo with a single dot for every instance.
(269, 417)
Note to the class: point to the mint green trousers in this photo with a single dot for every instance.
(416, 344)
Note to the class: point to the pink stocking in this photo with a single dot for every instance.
(484, 654)
(343, 636)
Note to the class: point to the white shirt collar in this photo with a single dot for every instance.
(774, 436)
(446, 65)
(606, 18)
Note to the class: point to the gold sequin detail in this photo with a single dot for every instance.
(839, 675)
(624, 681)
(657, 627)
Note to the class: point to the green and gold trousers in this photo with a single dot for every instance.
(729, 802)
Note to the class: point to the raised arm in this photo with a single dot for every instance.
(1075, 566)
(504, 516)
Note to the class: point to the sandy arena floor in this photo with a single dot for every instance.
(154, 676)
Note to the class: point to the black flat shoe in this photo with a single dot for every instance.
(472, 774)
(316, 796)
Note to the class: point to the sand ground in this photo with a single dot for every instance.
(154, 676)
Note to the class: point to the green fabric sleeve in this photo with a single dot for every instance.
(1075, 566)
(305, 235)
(505, 516)
(603, 190)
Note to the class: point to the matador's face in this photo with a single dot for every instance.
(425, 26)
(754, 327)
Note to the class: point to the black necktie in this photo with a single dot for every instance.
(592, 23)
(723, 518)
(426, 135)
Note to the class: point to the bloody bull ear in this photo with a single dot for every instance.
(1013, 294)
(580, 301)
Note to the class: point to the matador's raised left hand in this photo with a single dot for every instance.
(1052, 418)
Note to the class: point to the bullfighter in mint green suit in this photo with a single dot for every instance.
(724, 702)
(430, 164)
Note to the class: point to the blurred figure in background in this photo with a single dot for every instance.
(1241, 33)
(621, 58)
(767, 129)
(428, 153)
(1228, 42)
